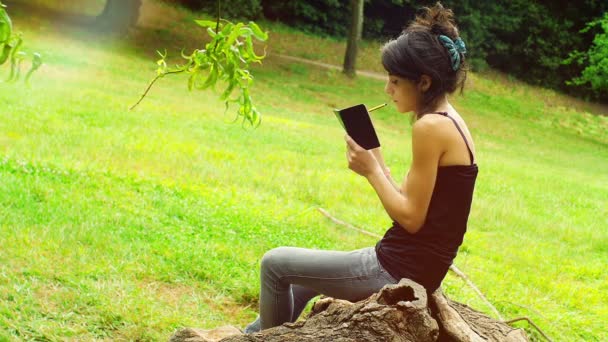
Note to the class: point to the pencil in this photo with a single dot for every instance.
(377, 107)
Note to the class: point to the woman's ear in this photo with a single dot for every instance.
(425, 83)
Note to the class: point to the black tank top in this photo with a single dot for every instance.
(426, 256)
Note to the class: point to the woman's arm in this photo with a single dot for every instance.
(377, 152)
(409, 207)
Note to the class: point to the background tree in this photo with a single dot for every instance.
(231, 9)
(528, 39)
(354, 35)
(595, 61)
(119, 15)
(323, 17)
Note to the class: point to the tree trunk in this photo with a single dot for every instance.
(119, 15)
(398, 313)
(356, 27)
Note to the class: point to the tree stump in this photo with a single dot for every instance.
(399, 313)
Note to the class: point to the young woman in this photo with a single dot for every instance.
(429, 209)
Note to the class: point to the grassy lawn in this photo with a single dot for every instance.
(126, 225)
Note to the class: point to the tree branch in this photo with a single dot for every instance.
(152, 83)
(217, 24)
(529, 321)
(459, 273)
(347, 225)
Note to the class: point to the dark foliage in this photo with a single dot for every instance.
(318, 16)
(529, 39)
(230, 9)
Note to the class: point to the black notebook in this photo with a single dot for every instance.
(358, 125)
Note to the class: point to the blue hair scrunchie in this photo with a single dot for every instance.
(455, 48)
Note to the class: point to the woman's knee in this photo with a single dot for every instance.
(274, 258)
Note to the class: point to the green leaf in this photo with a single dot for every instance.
(36, 64)
(191, 81)
(236, 32)
(257, 32)
(227, 28)
(36, 61)
(245, 32)
(16, 48)
(200, 57)
(228, 91)
(254, 57)
(190, 57)
(206, 23)
(6, 26)
(6, 51)
(211, 79)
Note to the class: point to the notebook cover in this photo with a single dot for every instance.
(358, 124)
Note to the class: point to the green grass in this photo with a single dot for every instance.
(126, 225)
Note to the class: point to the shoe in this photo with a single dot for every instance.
(253, 327)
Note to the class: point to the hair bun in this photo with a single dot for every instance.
(437, 19)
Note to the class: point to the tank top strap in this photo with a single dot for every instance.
(471, 158)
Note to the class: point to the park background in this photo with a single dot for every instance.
(126, 225)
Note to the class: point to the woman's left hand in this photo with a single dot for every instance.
(359, 159)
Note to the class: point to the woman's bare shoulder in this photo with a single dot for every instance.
(430, 125)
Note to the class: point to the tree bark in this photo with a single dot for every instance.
(398, 313)
(354, 36)
(119, 15)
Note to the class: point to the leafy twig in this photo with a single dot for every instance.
(10, 46)
(225, 59)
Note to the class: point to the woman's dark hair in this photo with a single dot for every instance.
(418, 51)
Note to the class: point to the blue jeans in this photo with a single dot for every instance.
(290, 277)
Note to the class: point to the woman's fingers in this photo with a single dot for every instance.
(359, 159)
(352, 143)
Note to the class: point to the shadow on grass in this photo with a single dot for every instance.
(62, 20)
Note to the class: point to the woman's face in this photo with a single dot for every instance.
(404, 93)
